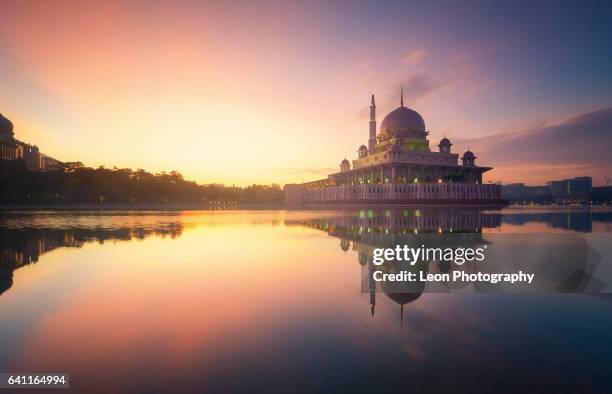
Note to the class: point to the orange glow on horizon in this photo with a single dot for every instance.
(229, 93)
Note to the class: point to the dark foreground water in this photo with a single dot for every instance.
(279, 301)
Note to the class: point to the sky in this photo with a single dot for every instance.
(249, 92)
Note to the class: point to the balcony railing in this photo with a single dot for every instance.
(400, 191)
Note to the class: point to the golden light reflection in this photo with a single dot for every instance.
(225, 286)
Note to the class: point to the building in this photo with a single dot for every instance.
(398, 166)
(36, 160)
(9, 148)
(602, 194)
(521, 193)
(73, 165)
(12, 149)
(575, 190)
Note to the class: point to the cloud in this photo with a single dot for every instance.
(574, 146)
(414, 56)
(420, 85)
(453, 76)
(416, 86)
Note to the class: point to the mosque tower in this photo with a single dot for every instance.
(372, 140)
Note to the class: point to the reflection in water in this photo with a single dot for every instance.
(577, 220)
(366, 230)
(21, 247)
(270, 301)
(559, 262)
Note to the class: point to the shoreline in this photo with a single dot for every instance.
(270, 206)
(135, 207)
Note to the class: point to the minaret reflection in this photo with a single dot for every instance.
(366, 230)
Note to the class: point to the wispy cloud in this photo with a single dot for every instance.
(416, 85)
(420, 85)
(578, 146)
(415, 56)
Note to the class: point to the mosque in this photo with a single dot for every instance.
(398, 166)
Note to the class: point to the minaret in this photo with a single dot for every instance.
(372, 140)
(372, 285)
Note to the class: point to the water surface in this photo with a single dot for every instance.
(229, 301)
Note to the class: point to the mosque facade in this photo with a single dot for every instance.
(399, 166)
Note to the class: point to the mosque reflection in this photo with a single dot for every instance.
(22, 247)
(560, 262)
(365, 230)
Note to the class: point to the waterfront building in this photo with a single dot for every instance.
(12, 149)
(399, 166)
(602, 194)
(575, 190)
(519, 192)
(36, 160)
(9, 148)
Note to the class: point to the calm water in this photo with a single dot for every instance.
(231, 301)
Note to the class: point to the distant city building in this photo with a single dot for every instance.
(36, 160)
(9, 148)
(519, 192)
(398, 166)
(12, 149)
(32, 156)
(575, 190)
(602, 194)
(73, 165)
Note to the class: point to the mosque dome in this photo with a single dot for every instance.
(402, 119)
(403, 298)
(345, 162)
(6, 127)
(468, 154)
(363, 147)
(445, 141)
(402, 292)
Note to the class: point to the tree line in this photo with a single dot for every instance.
(119, 185)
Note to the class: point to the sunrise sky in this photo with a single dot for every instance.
(262, 91)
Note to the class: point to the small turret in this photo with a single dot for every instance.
(362, 152)
(345, 165)
(445, 145)
(468, 158)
